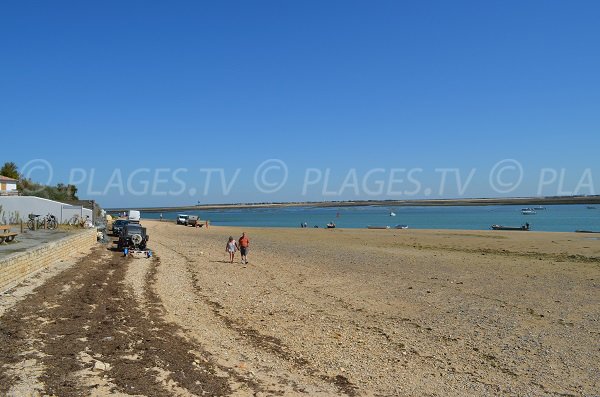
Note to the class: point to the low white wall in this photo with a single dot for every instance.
(17, 208)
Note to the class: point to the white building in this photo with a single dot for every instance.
(7, 185)
(17, 208)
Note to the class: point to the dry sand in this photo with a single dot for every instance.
(388, 312)
(316, 312)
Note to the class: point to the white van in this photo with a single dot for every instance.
(133, 216)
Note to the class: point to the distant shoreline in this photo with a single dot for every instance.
(381, 203)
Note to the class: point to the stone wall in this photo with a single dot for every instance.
(16, 267)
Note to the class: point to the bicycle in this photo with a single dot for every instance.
(33, 222)
(37, 222)
(76, 220)
(50, 221)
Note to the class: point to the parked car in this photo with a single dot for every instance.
(133, 236)
(118, 225)
(192, 220)
(182, 219)
(133, 215)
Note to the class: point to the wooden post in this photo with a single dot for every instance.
(21, 226)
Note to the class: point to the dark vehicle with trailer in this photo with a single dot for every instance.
(134, 237)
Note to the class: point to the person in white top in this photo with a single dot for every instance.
(231, 247)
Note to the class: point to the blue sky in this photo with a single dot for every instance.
(100, 90)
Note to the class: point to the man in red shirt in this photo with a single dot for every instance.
(244, 243)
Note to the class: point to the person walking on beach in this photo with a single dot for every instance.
(231, 247)
(244, 246)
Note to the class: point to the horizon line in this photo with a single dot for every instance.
(579, 199)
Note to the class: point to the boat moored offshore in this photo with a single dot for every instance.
(528, 211)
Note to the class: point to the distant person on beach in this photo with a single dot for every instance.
(161, 216)
(244, 244)
(231, 247)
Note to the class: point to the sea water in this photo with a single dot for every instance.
(555, 218)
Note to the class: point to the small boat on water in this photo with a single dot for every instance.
(387, 227)
(528, 211)
(539, 208)
(525, 227)
(331, 225)
(392, 213)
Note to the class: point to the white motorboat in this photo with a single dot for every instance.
(528, 211)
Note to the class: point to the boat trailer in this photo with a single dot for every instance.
(137, 253)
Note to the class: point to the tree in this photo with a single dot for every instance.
(10, 170)
(60, 192)
(27, 187)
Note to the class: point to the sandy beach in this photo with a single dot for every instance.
(316, 312)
